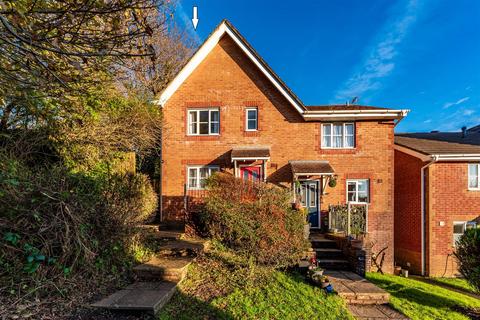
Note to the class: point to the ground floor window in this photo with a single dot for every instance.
(459, 228)
(197, 175)
(358, 191)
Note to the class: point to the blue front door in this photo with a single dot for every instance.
(309, 200)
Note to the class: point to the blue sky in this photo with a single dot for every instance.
(421, 55)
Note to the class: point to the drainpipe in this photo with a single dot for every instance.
(424, 214)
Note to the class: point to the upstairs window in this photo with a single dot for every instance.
(338, 135)
(251, 119)
(358, 191)
(474, 176)
(204, 121)
(197, 175)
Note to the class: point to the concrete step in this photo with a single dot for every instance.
(355, 289)
(163, 268)
(323, 244)
(141, 296)
(334, 264)
(329, 253)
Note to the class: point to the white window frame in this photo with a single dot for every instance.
(256, 118)
(477, 188)
(344, 136)
(197, 110)
(198, 179)
(464, 223)
(357, 181)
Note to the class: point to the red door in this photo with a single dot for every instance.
(250, 173)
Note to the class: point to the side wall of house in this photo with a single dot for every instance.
(408, 211)
(228, 80)
(449, 201)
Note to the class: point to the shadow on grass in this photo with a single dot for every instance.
(418, 296)
(183, 306)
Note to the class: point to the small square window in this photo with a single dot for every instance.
(458, 230)
(338, 135)
(358, 191)
(204, 122)
(198, 175)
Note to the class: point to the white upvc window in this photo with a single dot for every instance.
(338, 135)
(204, 121)
(251, 119)
(358, 191)
(459, 228)
(197, 175)
(474, 176)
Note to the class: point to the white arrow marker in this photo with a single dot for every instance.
(195, 18)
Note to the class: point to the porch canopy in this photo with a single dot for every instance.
(251, 155)
(311, 168)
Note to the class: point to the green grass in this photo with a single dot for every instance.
(458, 283)
(420, 300)
(218, 289)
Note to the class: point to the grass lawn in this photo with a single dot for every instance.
(458, 283)
(420, 300)
(215, 289)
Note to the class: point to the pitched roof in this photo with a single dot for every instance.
(257, 152)
(314, 112)
(311, 167)
(225, 27)
(441, 143)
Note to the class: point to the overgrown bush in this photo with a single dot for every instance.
(55, 224)
(255, 220)
(468, 254)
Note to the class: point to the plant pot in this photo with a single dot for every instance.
(357, 244)
(397, 270)
(325, 284)
(405, 273)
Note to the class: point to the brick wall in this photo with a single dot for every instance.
(408, 211)
(449, 201)
(228, 80)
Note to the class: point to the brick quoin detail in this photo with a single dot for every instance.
(228, 76)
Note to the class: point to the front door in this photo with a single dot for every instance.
(309, 200)
(250, 173)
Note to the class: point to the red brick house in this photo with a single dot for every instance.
(445, 166)
(227, 110)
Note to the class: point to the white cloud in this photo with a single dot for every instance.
(427, 121)
(381, 60)
(459, 101)
(453, 121)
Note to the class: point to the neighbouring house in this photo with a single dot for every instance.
(437, 196)
(228, 111)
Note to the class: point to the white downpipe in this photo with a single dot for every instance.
(423, 215)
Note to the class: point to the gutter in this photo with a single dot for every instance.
(434, 159)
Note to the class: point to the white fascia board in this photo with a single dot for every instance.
(203, 52)
(379, 111)
(352, 116)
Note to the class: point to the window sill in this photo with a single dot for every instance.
(351, 202)
(329, 148)
(474, 189)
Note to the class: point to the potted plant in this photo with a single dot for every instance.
(332, 183)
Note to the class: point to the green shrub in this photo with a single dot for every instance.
(56, 223)
(254, 219)
(468, 255)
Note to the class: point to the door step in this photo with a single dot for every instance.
(334, 264)
(163, 268)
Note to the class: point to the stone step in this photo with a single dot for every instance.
(334, 264)
(141, 296)
(183, 248)
(163, 268)
(329, 253)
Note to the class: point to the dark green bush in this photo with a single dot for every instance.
(255, 220)
(468, 254)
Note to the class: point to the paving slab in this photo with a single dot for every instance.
(140, 296)
(364, 312)
(164, 268)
